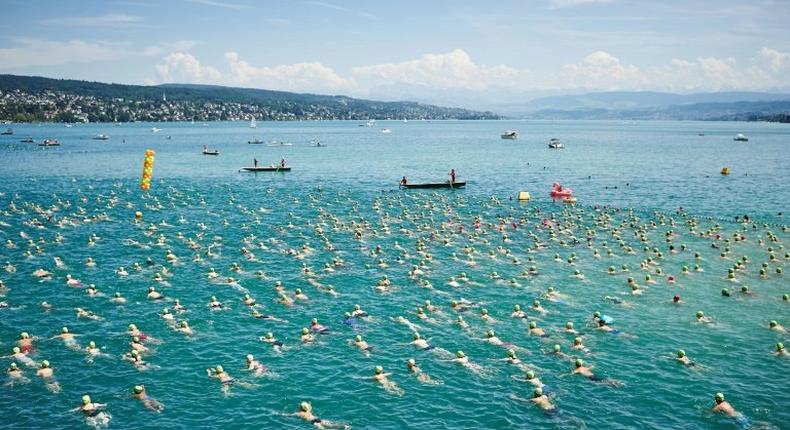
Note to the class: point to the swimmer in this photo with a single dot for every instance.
(270, 339)
(420, 343)
(15, 375)
(579, 346)
(137, 345)
(306, 413)
(93, 351)
(586, 371)
(315, 327)
(542, 400)
(167, 316)
(215, 305)
(423, 377)
(518, 313)
(299, 295)
(534, 330)
(136, 359)
(92, 411)
(118, 299)
(683, 359)
(463, 360)
(185, 329)
(153, 294)
(383, 380)
(257, 368)
(256, 314)
(780, 350)
(362, 345)
(46, 373)
(84, 313)
(702, 318)
(538, 308)
(775, 326)
(529, 376)
(140, 393)
(20, 356)
(306, 337)
(722, 406)
(224, 378)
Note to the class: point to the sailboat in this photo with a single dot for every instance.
(253, 124)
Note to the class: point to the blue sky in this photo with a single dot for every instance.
(460, 51)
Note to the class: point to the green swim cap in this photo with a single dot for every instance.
(780, 346)
(411, 362)
(304, 406)
(536, 303)
(511, 353)
(490, 333)
(538, 392)
(530, 374)
(416, 336)
(577, 341)
(86, 399)
(250, 357)
(24, 335)
(557, 347)
(568, 325)
(484, 311)
(314, 321)
(64, 330)
(579, 362)
(460, 354)
(358, 338)
(269, 335)
(719, 397)
(516, 308)
(533, 324)
(219, 369)
(135, 353)
(681, 353)
(13, 366)
(379, 370)
(138, 389)
(597, 314)
(773, 323)
(700, 314)
(45, 363)
(305, 331)
(92, 344)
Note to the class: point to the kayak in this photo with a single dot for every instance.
(436, 185)
(267, 169)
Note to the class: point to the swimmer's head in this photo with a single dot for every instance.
(530, 374)
(681, 353)
(132, 327)
(577, 341)
(250, 357)
(218, 370)
(86, 399)
(305, 331)
(490, 333)
(700, 314)
(719, 397)
(24, 335)
(569, 325)
(557, 347)
(538, 392)
(596, 314)
(780, 347)
(64, 330)
(92, 344)
(45, 364)
(516, 308)
(579, 362)
(379, 370)
(532, 324)
(511, 353)
(773, 323)
(304, 406)
(411, 362)
(269, 335)
(138, 389)
(358, 338)
(460, 354)
(416, 336)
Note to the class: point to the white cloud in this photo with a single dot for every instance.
(602, 70)
(454, 69)
(185, 68)
(112, 19)
(570, 3)
(312, 76)
(216, 3)
(163, 48)
(777, 60)
(30, 52)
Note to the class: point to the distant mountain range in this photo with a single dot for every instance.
(29, 98)
(726, 106)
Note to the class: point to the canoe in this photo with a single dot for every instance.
(210, 152)
(436, 185)
(267, 169)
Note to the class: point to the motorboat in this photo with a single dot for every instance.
(276, 143)
(386, 131)
(256, 142)
(7, 132)
(155, 130)
(315, 143)
(49, 142)
(740, 138)
(207, 151)
(555, 143)
(27, 140)
(510, 134)
(101, 137)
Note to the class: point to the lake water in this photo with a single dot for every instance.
(351, 185)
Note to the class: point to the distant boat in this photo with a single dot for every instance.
(256, 142)
(405, 120)
(369, 123)
(7, 132)
(101, 137)
(27, 140)
(386, 130)
(276, 143)
(211, 152)
(253, 124)
(510, 134)
(740, 138)
(69, 125)
(49, 142)
(155, 130)
(267, 169)
(555, 143)
(435, 185)
(315, 143)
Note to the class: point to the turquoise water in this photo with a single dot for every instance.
(349, 185)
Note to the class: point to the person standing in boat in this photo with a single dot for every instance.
(452, 176)
(403, 181)
(255, 162)
(282, 162)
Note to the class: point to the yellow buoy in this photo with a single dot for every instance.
(524, 196)
(725, 170)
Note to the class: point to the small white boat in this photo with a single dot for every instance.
(253, 124)
(155, 130)
(315, 143)
(27, 140)
(386, 130)
(7, 132)
(740, 138)
(256, 141)
(510, 134)
(276, 143)
(101, 137)
(555, 143)
(49, 142)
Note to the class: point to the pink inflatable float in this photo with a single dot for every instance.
(558, 192)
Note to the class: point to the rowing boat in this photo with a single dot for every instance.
(436, 185)
(214, 152)
(267, 169)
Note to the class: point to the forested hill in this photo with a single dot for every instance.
(29, 98)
